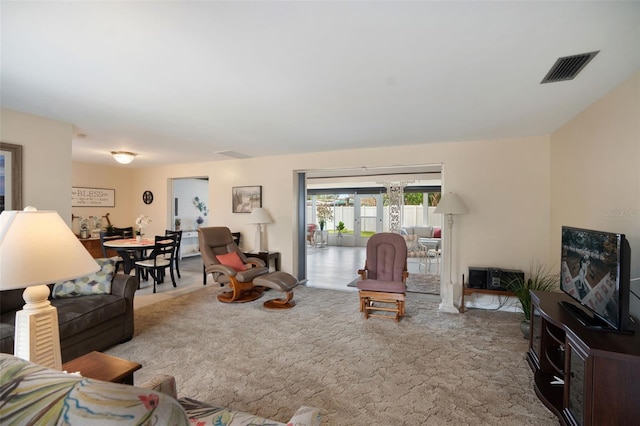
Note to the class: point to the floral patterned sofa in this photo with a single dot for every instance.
(32, 394)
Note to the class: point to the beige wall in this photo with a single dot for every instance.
(115, 177)
(519, 192)
(46, 159)
(595, 170)
(505, 185)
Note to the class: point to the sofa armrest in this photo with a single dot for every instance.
(306, 416)
(364, 273)
(124, 285)
(221, 269)
(33, 394)
(256, 262)
(162, 383)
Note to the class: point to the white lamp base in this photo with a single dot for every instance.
(37, 337)
(258, 242)
(446, 289)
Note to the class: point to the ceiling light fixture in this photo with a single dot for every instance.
(123, 157)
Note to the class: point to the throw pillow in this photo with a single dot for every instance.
(437, 233)
(96, 283)
(232, 259)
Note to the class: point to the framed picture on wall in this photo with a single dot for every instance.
(10, 176)
(245, 198)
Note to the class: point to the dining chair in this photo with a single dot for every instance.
(161, 258)
(176, 257)
(124, 232)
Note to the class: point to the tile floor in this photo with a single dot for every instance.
(335, 267)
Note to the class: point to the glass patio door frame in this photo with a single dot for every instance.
(360, 219)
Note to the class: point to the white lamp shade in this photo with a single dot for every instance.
(259, 215)
(450, 203)
(37, 247)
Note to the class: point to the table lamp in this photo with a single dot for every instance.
(38, 248)
(259, 216)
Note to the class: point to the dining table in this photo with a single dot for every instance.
(130, 250)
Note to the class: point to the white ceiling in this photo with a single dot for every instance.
(178, 81)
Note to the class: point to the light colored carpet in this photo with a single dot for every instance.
(429, 369)
(423, 283)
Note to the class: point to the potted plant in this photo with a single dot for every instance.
(109, 231)
(340, 228)
(324, 214)
(141, 222)
(541, 279)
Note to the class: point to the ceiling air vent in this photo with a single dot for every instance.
(232, 154)
(567, 68)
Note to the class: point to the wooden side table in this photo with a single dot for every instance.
(266, 257)
(96, 365)
(467, 291)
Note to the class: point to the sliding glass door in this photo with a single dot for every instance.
(368, 217)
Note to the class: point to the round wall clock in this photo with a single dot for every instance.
(147, 197)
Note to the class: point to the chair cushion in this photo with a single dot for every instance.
(161, 262)
(386, 257)
(96, 283)
(250, 273)
(278, 280)
(423, 231)
(232, 259)
(201, 413)
(382, 286)
(74, 313)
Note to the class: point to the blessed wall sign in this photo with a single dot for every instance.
(93, 197)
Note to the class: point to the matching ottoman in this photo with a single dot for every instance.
(280, 281)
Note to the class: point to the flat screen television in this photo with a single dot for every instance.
(596, 272)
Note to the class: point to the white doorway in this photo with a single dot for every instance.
(188, 210)
(341, 186)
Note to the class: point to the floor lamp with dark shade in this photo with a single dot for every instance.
(38, 248)
(449, 205)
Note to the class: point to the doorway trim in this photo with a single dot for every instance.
(399, 172)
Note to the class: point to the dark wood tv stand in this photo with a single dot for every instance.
(600, 369)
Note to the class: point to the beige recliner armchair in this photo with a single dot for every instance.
(228, 265)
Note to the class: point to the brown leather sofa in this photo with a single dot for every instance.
(86, 323)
